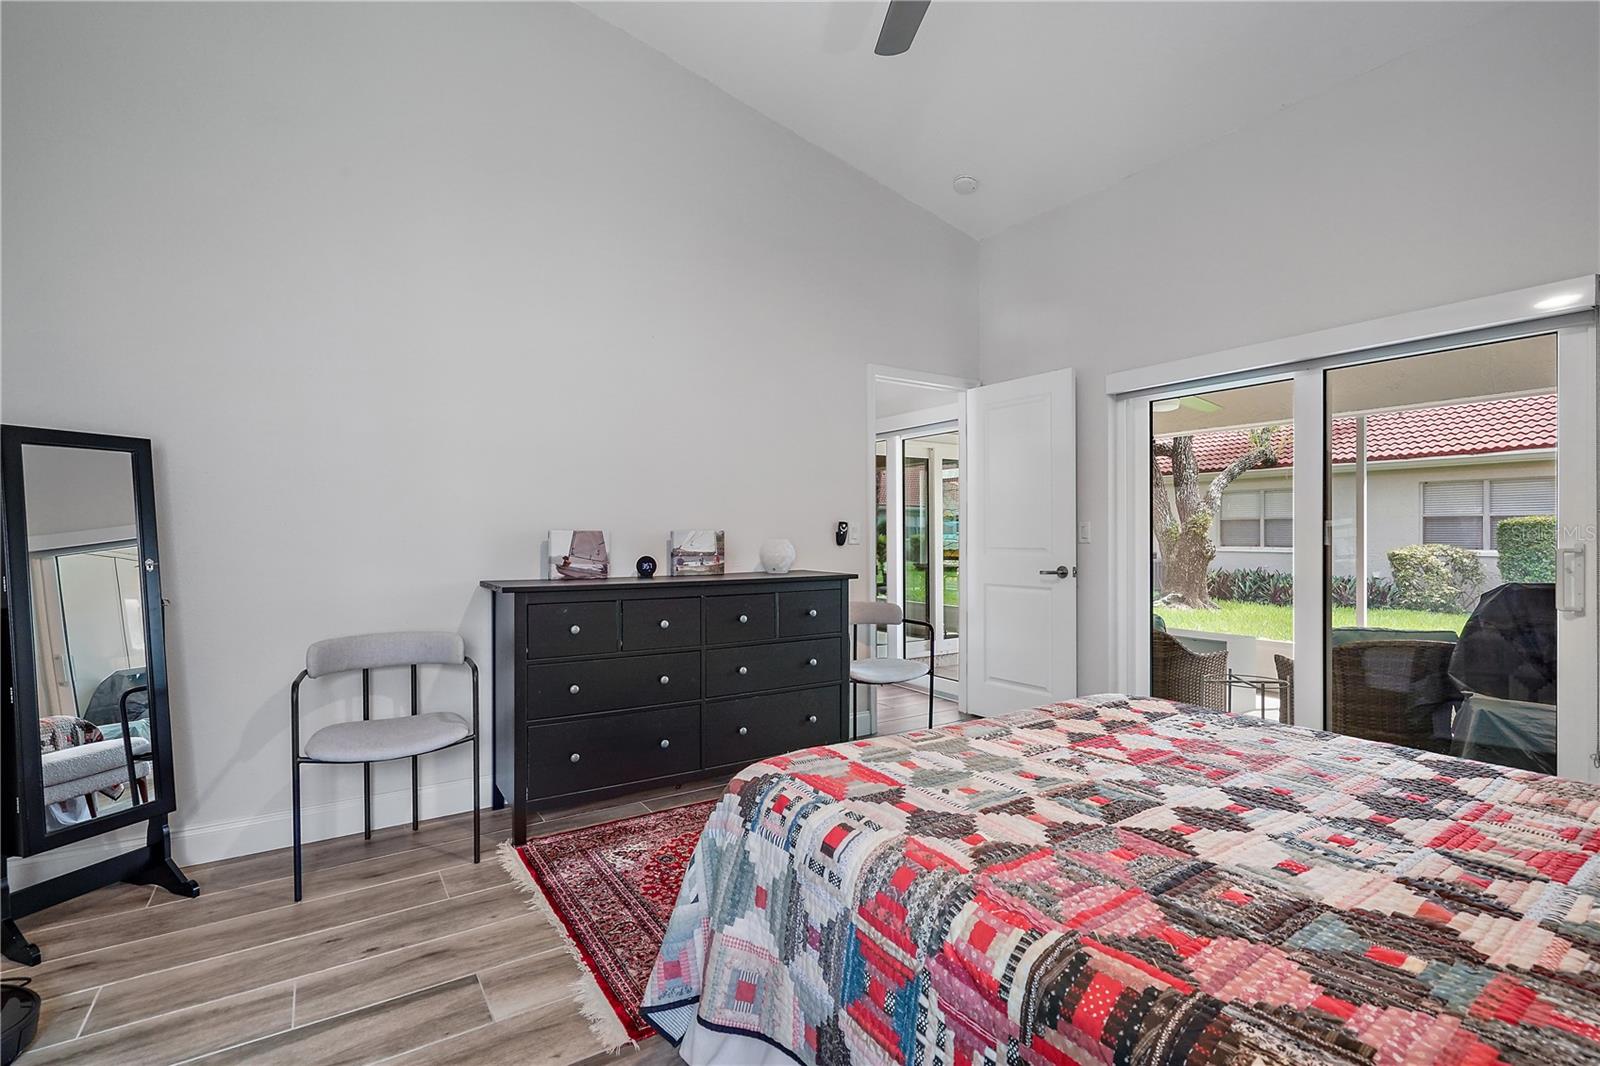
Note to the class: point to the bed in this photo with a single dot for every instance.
(1133, 880)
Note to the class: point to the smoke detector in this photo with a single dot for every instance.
(965, 185)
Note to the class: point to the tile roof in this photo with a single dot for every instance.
(1509, 425)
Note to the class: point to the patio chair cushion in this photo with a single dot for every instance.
(886, 671)
(1367, 634)
(88, 760)
(386, 738)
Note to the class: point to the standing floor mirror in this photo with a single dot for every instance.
(87, 734)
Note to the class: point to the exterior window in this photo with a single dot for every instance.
(1257, 519)
(1467, 513)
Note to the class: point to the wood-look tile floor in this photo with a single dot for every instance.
(904, 707)
(402, 951)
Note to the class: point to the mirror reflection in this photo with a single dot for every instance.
(89, 632)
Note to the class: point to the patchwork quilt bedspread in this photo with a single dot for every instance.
(1132, 880)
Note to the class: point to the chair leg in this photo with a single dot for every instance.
(855, 709)
(477, 835)
(366, 799)
(413, 793)
(89, 799)
(930, 687)
(296, 815)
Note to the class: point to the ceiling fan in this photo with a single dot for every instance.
(900, 26)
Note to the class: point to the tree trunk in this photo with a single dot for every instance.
(1184, 537)
(1185, 567)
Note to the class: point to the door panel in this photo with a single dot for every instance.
(1021, 474)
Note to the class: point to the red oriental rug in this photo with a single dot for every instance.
(610, 889)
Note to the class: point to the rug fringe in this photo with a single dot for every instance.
(591, 998)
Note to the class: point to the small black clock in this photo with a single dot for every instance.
(646, 566)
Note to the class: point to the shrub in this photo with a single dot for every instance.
(1527, 548)
(1255, 585)
(1435, 577)
(1380, 593)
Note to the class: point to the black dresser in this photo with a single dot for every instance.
(604, 686)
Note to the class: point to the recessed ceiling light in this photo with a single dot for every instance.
(965, 185)
(1558, 301)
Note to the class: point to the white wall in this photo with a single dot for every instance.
(397, 288)
(1468, 168)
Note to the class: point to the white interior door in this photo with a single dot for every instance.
(1020, 545)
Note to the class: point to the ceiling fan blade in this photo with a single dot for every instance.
(900, 26)
(1200, 403)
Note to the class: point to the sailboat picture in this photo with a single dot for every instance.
(579, 553)
(696, 551)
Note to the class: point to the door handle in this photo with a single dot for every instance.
(1570, 580)
(1060, 571)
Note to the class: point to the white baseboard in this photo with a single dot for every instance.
(204, 842)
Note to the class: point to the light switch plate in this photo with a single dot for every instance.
(1083, 532)
(855, 535)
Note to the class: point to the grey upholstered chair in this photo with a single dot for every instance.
(382, 739)
(885, 670)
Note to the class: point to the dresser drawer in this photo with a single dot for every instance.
(735, 671)
(557, 629)
(741, 619)
(587, 686)
(651, 624)
(804, 614)
(752, 728)
(566, 757)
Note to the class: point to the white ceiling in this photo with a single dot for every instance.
(1042, 102)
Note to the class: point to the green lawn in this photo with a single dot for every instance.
(917, 587)
(1277, 623)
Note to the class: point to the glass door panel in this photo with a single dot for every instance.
(1222, 549)
(1440, 599)
(916, 540)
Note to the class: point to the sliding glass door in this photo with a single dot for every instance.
(1396, 545)
(1442, 565)
(1222, 547)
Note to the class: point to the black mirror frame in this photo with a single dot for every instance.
(26, 825)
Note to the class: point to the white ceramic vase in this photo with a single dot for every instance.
(777, 556)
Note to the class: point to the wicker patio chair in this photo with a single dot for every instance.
(1285, 668)
(1176, 673)
(1396, 691)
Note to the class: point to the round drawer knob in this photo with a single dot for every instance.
(665, 679)
(811, 718)
(575, 630)
(575, 757)
(573, 690)
(743, 731)
(665, 624)
(666, 743)
(743, 670)
(743, 618)
(811, 662)
(811, 613)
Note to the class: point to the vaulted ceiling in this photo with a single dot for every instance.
(1042, 102)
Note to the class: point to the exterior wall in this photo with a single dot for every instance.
(1394, 512)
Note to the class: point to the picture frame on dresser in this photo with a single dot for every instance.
(602, 687)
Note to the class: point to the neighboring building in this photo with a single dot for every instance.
(1440, 475)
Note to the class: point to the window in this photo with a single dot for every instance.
(1257, 519)
(1468, 513)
